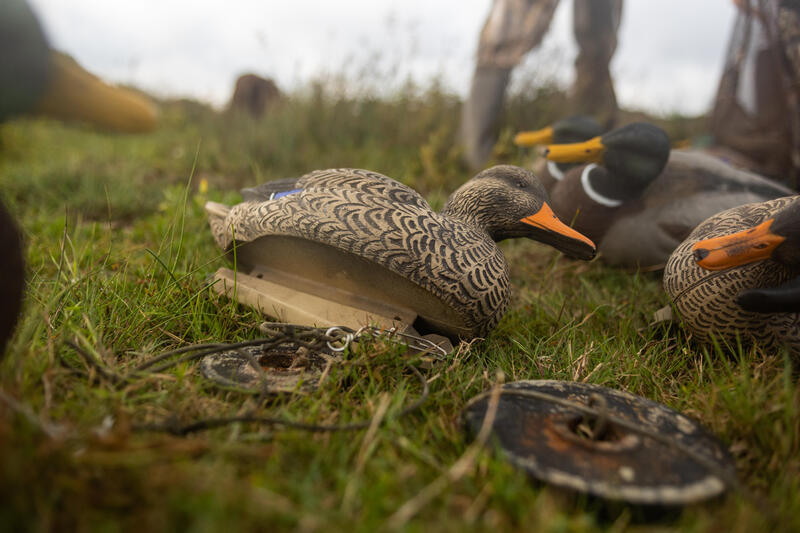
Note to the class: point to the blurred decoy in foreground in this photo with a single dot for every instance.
(367, 240)
(36, 80)
(12, 277)
(638, 199)
(738, 274)
(574, 129)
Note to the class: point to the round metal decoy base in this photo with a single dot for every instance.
(561, 445)
(287, 367)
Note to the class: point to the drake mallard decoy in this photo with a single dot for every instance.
(638, 199)
(574, 129)
(738, 274)
(364, 234)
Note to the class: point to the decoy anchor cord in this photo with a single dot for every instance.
(336, 339)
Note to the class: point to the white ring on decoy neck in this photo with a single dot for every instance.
(593, 194)
(552, 168)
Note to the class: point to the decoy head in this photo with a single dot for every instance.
(635, 153)
(509, 202)
(776, 238)
(574, 129)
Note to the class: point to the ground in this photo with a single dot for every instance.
(118, 253)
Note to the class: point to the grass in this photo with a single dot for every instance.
(118, 251)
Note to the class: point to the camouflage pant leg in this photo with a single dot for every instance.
(595, 25)
(763, 124)
(788, 30)
(512, 28)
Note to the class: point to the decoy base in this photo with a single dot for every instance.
(273, 296)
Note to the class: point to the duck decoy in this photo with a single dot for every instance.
(738, 274)
(12, 277)
(574, 129)
(363, 239)
(638, 199)
(34, 79)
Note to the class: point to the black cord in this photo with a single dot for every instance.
(212, 423)
(311, 338)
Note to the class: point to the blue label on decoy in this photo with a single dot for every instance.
(276, 195)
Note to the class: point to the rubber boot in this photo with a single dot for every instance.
(481, 112)
(595, 26)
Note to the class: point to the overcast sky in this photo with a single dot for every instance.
(669, 56)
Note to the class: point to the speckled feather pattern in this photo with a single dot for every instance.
(706, 299)
(379, 219)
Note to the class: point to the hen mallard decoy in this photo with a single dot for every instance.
(638, 199)
(574, 129)
(738, 274)
(360, 235)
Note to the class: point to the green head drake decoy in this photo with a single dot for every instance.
(574, 129)
(362, 233)
(638, 199)
(738, 274)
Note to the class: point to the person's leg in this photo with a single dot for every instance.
(480, 113)
(754, 119)
(595, 25)
(512, 28)
(788, 34)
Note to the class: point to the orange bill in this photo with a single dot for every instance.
(590, 151)
(559, 235)
(681, 144)
(748, 246)
(532, 138)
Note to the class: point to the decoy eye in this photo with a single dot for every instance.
(521, 184)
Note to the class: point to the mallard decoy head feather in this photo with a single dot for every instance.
(509, 202)
(635, 153)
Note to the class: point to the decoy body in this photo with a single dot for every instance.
(574, 129)
(364, 233)
(638, 199)
(737, 275)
